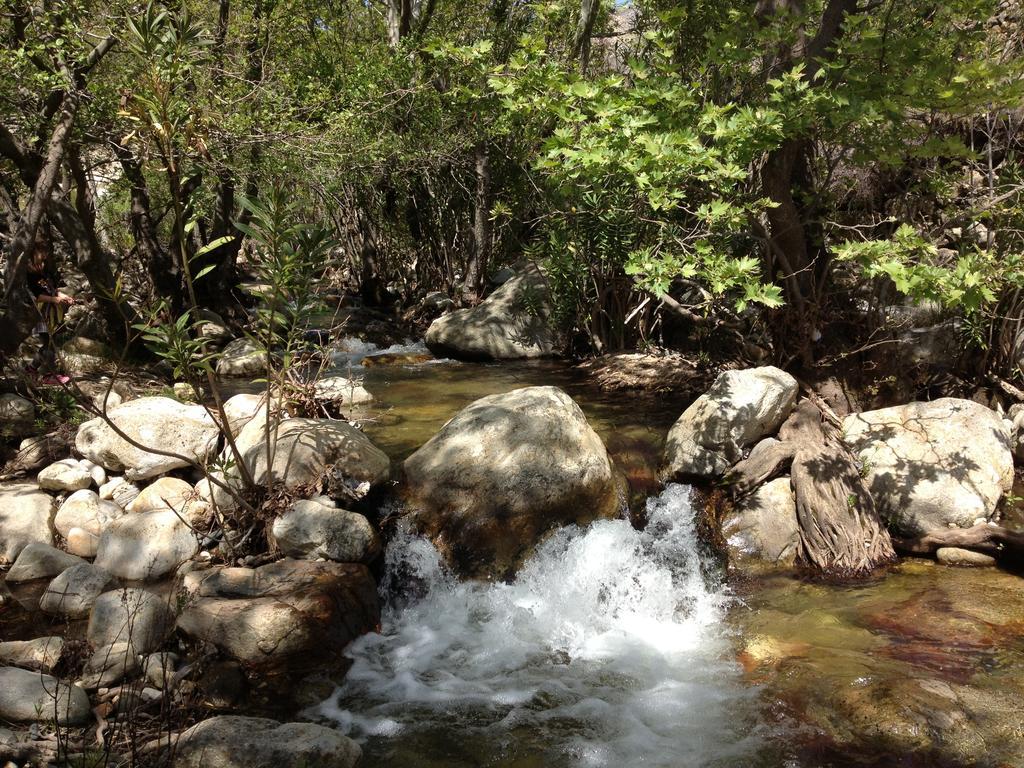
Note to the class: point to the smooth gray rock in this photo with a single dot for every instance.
(933, 465)
(231, 741)
(146, 546)
(503, 472)
(739, 409)
(40, 561)
(312, 529)
(26, 516)
(130, 615)
(111, 664)
(157, 422)
(159, 668)
(35, 697)
(17, 416)
(764, 526)
(74, 591)
(513, 322)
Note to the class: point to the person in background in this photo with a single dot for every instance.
(50, 301)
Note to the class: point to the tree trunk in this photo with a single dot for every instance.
(480, 257)
(1004, 545)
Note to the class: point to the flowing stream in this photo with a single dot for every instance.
(608, 649)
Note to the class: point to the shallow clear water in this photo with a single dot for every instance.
(608, 649)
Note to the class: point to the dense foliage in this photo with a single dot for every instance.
(773, 167)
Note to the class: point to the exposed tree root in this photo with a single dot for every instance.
(993, 540)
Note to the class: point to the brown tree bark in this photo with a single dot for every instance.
(479, 258)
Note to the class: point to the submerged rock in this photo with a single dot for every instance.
(739, 409)
(26, 516)
(503, 472)
(231, 741)
(933, 465)
(158, 422)
(513, 322)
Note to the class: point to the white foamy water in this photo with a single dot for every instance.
(609, 649)
(350, 351)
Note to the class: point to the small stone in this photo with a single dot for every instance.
(120, 491)
(64, 475)
(159, 668)
(242, 357)
(110, 665)
(84, 509)
(82, 543)
(96, 472)
(963, 557)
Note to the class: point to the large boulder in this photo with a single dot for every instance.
(308, 452)
(933, 465)
(40, 561)
(513, 322)
(146, 546)
(34, 697)
(312, 528)
(763, 527)
(739, 409)
(155, 422)
(290, 611)
(132, 615)
(82, 518)
(26, 516)
(503, 472)
(232, 741)
(74, 591)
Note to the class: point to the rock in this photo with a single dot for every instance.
(764, 526)
(110, 665)
(65, 475)
(34, 697)
(17, 416)
(130, 615)
(40, 561)
(81, 355)
(739, 409)
(309, 451)
(289, 611)
(184, 392)
(74, 591)
(231, 741)
(158, 422)
(36, 452)
(340, 391)
(26, 515)
(212, 327)
(513, 322)
(42, 654)
(241, 409)
(170, 493)
(159, 668)
(312, 529)
(145, 546)
(932, 465)
(963, 557)
(120, 491)
(90, 514)
(223, 684)
(503, 472)
(242, 357)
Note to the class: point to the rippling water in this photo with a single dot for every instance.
(609, 649)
